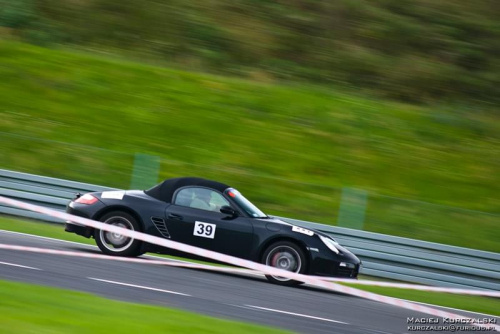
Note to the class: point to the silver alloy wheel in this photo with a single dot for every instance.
(116, 242)
(286, 258)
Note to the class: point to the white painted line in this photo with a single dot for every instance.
(370, 330)
(122, 259)
(87, 245)
(48, 238)
(18, 265)
(297, 314)
(139, 286)
(147, 256)
(169, 259)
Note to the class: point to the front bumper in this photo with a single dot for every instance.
(345, 265)
(341, 270)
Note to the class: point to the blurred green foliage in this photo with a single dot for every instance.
(289, 148)
(412, 50)
(17, 14)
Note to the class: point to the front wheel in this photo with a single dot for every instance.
(115, 243)
(285, 255)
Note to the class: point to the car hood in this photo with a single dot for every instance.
(274, 220)
(284, 223)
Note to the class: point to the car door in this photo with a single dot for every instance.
(194, 218)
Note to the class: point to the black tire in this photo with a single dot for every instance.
(285, 255)
(114, 244)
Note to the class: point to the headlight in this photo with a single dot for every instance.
(329, 243)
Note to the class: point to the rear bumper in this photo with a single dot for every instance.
(84, 231)
(78, 210)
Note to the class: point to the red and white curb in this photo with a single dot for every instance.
(486, 293)
(232, 270)
(241, 262)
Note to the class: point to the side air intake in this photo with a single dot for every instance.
(160, 225)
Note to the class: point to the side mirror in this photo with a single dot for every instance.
(226, 209)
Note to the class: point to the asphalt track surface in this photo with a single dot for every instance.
(236, 297)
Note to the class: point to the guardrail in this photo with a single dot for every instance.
(382, 255)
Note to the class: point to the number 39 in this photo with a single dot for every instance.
(204, 230)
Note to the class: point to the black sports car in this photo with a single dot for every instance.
(213, 216)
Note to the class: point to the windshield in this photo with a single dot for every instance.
(245, 204)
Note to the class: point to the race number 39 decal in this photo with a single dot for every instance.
(204, 230)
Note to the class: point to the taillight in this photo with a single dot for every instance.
(86, 199)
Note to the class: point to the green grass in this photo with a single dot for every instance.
(471, 303)
(488, 305)
(289, 148)
(43, 229)
(27, 308)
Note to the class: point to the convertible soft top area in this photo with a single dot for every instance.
(165, 190)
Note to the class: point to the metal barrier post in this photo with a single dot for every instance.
(146, 171)
(352, 208)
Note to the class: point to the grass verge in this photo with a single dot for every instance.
(27, 308)
(470, 303)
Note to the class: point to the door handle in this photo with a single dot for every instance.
(174, 216)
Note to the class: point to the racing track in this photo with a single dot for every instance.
(245, 298)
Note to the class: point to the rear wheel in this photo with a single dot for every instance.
(285, 255)
(115, 243)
